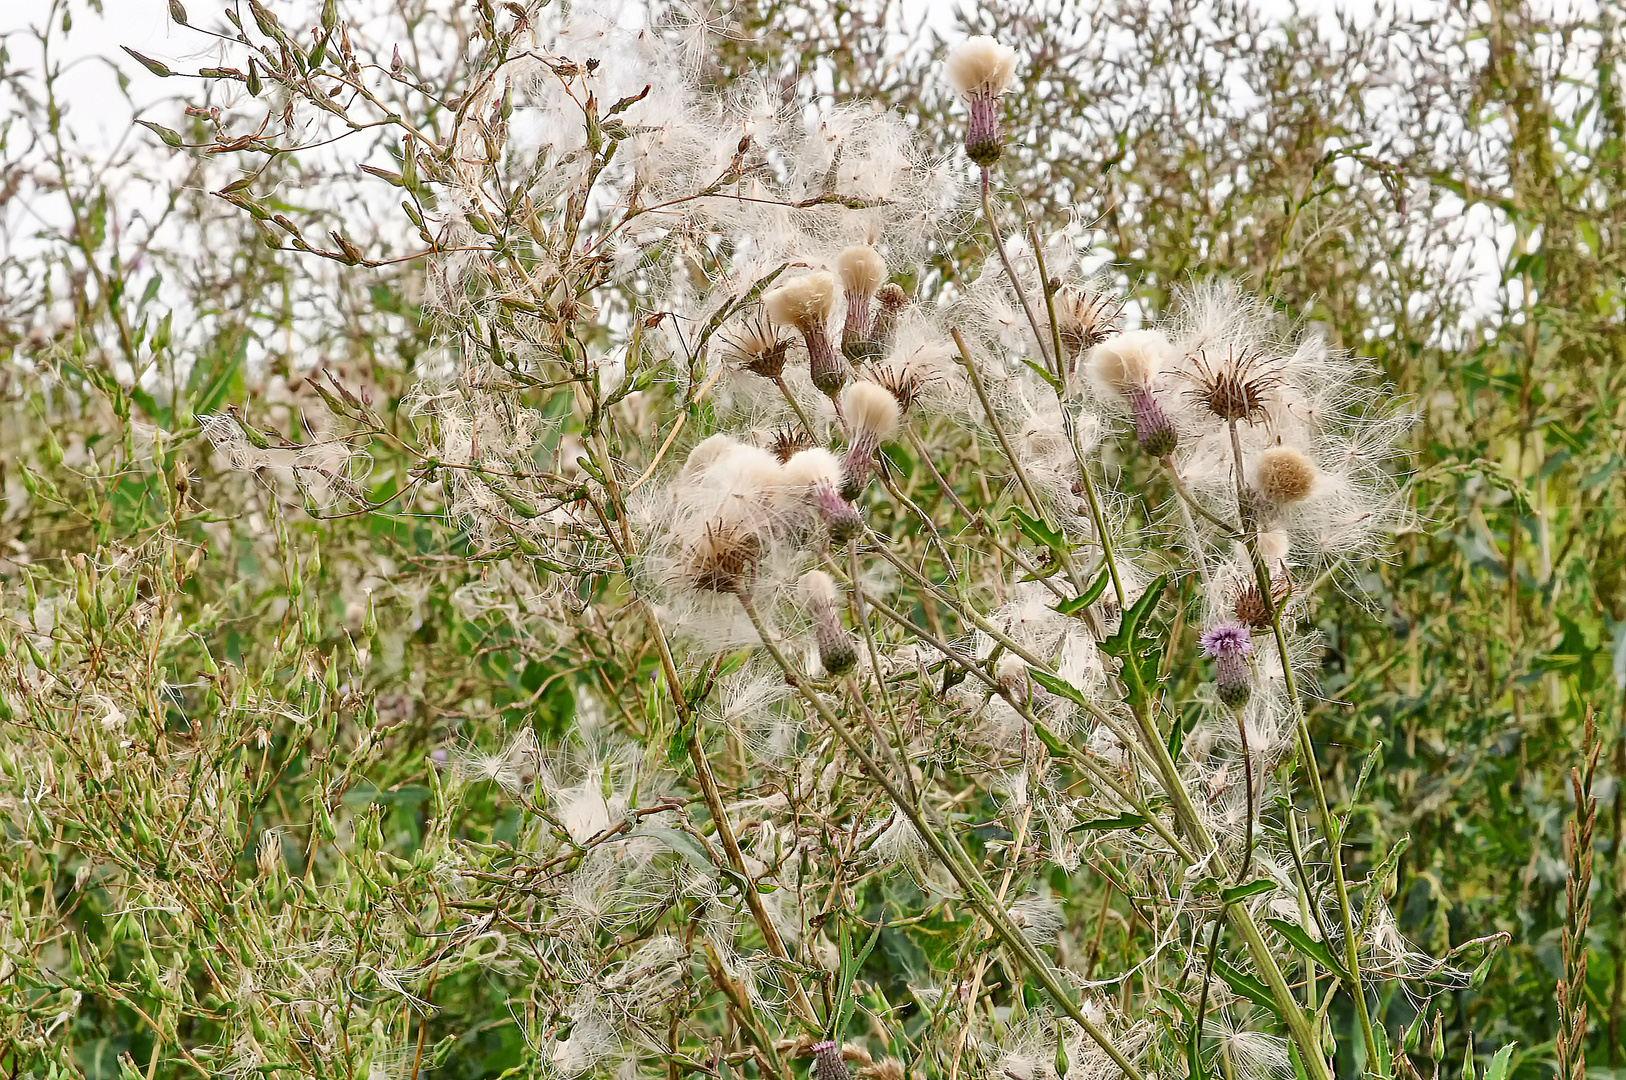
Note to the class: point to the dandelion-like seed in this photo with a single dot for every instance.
(760, 348)
(980, 70)
(862, 271)
(873, 414)
(788, 441)
(806, 303)
(1236, 388)
(836, 650)
(828, 1064)
(1284, 476)
(1230, 645)
(1126, 367)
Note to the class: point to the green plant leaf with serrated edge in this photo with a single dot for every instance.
(1309, 946)
(1242, 892)
(1141, 654)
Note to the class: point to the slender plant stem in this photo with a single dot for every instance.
(1010, 273)
(946, 847)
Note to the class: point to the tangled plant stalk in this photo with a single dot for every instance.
(969, 615)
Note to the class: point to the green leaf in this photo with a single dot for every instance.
(1246, 985)
(1140, 653)
(1059, 687)
(1040, 532)
(1242, 892)
(1309, 946)
(1089, 596)
(1501, 1064)
(850, 967)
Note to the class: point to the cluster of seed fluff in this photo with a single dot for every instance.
(768, 247)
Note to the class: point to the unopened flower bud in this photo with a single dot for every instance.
(890, 302)
(828, 1063)
(836, 650)
(1230, 645)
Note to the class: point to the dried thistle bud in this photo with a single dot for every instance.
(1236, 388)
(862, 272)
(1230, 645)
(836, 650)
(268, 856)
(1284, 475)
(902, 383)
(760, 348)
(872, 415)
(1251, 606)
(890, 302)
(1085, 318)
(788, 441)
(980, 70)
(805, 303)
(722, 558)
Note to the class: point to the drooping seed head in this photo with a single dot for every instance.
(812, 466)
(871, 411)
(837, 653)
(706, 452)
(1284, 475)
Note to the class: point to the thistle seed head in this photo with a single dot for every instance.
(787, 442)
(1235, 388)
(759, 347)
(1284, 475)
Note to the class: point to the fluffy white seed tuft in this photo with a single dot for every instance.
(809, 467)
(980, 66)
(804, 300)
(1130, 360)
(862, 269)
(871, 410)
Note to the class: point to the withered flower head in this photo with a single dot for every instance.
(723, 558)
(787, 441)
(1085, 318)
(1235, 388)
(759, 347)
(903, 384)
(1250, 606)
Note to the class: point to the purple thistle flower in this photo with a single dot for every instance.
(1230, 645)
